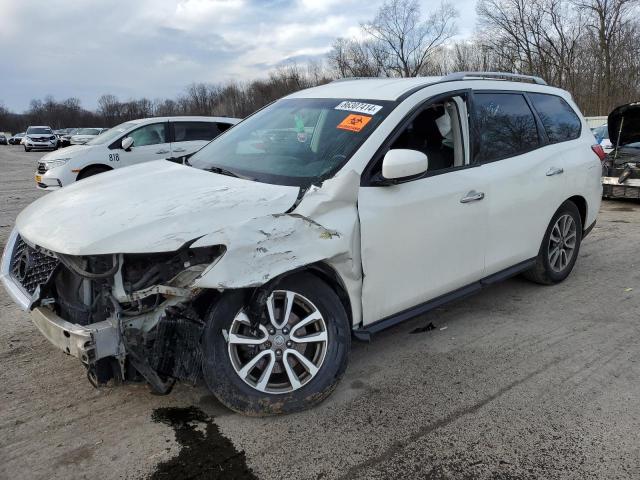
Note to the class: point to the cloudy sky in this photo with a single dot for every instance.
(154, 48)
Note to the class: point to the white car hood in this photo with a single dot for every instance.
(68, 152)
(152, 207)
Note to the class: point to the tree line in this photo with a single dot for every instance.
(589, 47)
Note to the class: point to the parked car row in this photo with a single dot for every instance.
(33, 138)
(252, 261)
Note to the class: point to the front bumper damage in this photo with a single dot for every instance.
(158, 344)
(87, 343)
(147, 316)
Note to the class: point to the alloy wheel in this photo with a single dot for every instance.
(562, 243)
(286, 350)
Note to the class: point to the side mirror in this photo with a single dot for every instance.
(127, 143)
(401, 163)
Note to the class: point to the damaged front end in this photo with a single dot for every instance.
(126, 317)
(621, 167)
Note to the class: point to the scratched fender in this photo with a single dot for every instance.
(322, 228)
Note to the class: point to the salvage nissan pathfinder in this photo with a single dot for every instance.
(332, 213)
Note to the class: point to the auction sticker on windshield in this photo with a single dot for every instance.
(354, 123)
(368, 108)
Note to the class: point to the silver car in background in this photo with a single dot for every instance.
(40, 137)
(85, 135)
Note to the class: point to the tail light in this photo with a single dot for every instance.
(598, 150)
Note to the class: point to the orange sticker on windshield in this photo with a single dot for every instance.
(354, 123)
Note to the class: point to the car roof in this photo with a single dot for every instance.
(396, 88)
(185, 118)
(38, 126)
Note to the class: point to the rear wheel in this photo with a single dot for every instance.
(560, 246)
(291, 361)
(91, 171)
(27, 149)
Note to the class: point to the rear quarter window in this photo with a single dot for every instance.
(191, 131)
(505, 126)
(560, 121)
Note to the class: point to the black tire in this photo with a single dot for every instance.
(27, 149)
(91, 171)
(232, 391)
(542, 272)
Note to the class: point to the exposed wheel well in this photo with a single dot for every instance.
(320, 269)
(94, 166)
(331, 278)
(581, 203)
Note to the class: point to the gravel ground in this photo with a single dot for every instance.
(519, 381)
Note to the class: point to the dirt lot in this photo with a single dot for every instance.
(520, 381)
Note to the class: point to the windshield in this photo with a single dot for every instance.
(38, 130)
(294, 141)
(111, 134)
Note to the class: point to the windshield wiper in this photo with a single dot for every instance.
(222, 171)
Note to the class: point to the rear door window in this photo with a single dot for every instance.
(560, 121)
(191, 131)
(505, 126)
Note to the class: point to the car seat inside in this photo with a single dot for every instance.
(437, 132)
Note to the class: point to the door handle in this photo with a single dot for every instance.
(179, 149)
(554, 171)
(162, 151)
(472, 196)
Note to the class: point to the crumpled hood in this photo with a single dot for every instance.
(627, 116)
(152, 207)
(73, 151)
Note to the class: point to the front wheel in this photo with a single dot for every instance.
(291, 360)
(560, 246)
(27, 149)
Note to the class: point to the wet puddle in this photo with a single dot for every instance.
(204, 452)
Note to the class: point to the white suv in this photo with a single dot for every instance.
(127, 144)
(39, 137)
(334, 212)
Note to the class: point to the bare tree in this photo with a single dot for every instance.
(406, 38)
(110, 108)
(610, 25)
(352, 58)
(589, 47)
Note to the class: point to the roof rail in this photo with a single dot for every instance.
(492, 76)
(348, 79)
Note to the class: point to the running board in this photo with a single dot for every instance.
(364, 334)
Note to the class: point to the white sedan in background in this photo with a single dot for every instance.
(129, 143)
(85, 135)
